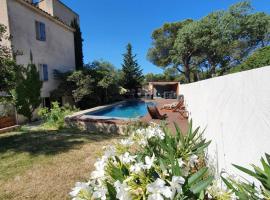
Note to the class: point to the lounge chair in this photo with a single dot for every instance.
(174, 106)
(180, 106)
(155, 114)
(169, 106)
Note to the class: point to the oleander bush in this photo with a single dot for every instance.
(243, 189)
(152, 164)
(55, 117)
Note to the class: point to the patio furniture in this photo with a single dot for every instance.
(155, 114)
(169, 106)
(180, 106)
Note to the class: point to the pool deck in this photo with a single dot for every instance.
(172, 116)
(113, 124)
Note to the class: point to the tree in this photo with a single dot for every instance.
(220, 40)
(259, 58)
(132, 74)
(185, 48)
(78, 44)
(27, 92)
(8, 67)
(96, 84)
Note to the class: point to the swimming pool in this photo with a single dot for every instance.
(126, 110)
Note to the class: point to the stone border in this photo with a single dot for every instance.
(101, 124)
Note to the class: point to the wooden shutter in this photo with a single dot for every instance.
(45, 73)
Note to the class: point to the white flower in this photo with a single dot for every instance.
(127, 158)
(176, 184)
(126, 142)
(99, 172)
(143, 142)
(100, 193)
(137, 167)
(149, 161)
(157, 189)
(193, 160)
(109, 152)
(78, 187)
(122, 191)
(181, 163)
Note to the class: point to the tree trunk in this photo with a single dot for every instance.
(187, 69)
(212, 68)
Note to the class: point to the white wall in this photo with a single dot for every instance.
(235, 109)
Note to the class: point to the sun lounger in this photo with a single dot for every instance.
(155, 114)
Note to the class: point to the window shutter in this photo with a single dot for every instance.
(42, 31)
(37, 30)
(40, 70)
(45, 72)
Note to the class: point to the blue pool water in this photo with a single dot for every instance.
(132, 109)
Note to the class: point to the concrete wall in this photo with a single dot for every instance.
(235, 109)
(58, 49)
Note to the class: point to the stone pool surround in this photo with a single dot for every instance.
(100, 124)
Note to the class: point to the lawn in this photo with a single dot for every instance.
(36, 164)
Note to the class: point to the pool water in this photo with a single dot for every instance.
(131, 109)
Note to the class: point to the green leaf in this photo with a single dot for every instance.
(228, 184)
(197, 176)
(200, 186)
(111, 191)
(266, 167)
(245, 170)
(267, 158)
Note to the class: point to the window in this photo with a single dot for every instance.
(43, 72)
(40, 31)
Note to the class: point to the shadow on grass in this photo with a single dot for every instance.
(49, 142)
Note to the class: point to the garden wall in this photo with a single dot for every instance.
(235, 110)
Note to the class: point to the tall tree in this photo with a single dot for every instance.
(27, 92)
(78, 42)
(132, 73)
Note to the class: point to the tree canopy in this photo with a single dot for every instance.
(220, 40)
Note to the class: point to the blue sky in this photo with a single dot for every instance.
(108, 25)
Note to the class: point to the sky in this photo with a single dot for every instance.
(108, 25)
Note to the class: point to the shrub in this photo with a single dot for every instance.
(55, 117)
(150, 164)
(247, 190)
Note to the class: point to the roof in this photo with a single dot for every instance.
(164, 82)
(51, 17)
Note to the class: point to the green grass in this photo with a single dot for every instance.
(38, 164)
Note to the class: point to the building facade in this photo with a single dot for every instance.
(41, 32)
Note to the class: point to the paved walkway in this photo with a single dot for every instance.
(172, 116)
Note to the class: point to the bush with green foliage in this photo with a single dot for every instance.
(27, 92)
(55, 117)
(247, 190)
(259, 58)
(151, 164)
(96, 84)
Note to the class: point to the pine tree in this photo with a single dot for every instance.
(78, 44)
(27, 92)
(132, 73)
